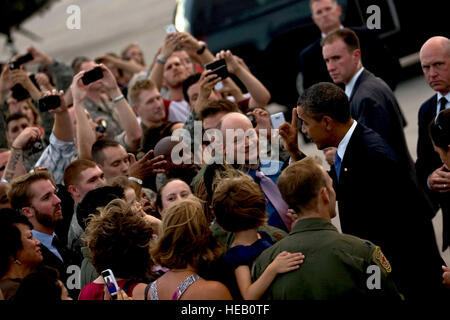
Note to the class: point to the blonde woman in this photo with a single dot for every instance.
(185, 243)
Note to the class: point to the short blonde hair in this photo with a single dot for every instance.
(19, 192)
(300, 183)
(185, 238)
(137, 88)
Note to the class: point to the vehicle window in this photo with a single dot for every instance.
(226, 12)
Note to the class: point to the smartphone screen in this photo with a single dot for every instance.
(277, 120)
(170, 29)
(111, 283)
(92, 75)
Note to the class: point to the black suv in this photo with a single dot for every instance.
(269, 34)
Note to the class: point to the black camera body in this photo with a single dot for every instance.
(49, 103)
(20, 93)
(92, 76)
(219, 68)
(20, 61)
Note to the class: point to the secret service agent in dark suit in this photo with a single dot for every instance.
(373, 104)
(435, 61)
(378, 198)
(428, 161)
(377, 57)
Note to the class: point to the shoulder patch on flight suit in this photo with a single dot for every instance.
(379, 256)
(278, 235)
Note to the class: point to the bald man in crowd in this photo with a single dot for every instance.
(432, 175)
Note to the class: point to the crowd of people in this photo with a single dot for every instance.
(92, 179)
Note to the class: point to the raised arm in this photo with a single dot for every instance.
(61, 150)
(19, 76)
(260, 96)
(197, 50)
(157, 73)
(207, 82)
(130, 65)
(85, 134)
(62, 127)
(289, 133)
(14, 166)
(5, 83)
(127, 117)
(62, 74)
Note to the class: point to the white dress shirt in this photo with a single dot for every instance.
(349, 87)
(342, 147)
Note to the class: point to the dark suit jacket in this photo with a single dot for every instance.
(428, 161)
(380, 200)
(375, 56)
(373, 104)
(53, 261)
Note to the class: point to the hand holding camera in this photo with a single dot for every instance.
(78, 88)
(208, 81)
(19, 61)
(39, 57)
(231, 62)
(27, 137)
(219, 68)
(52, 101)
(171, 42)
(109, 82)
(92, 75)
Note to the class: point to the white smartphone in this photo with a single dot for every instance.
(170, 28)
(111, 283)
(277, 119)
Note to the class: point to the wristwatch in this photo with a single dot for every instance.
(202, 49)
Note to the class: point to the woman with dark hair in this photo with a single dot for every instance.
(184, 244)
(440, 136)
(240, 207)
(42, 285)
(170, 193)
(119, 239)
(20, 252)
